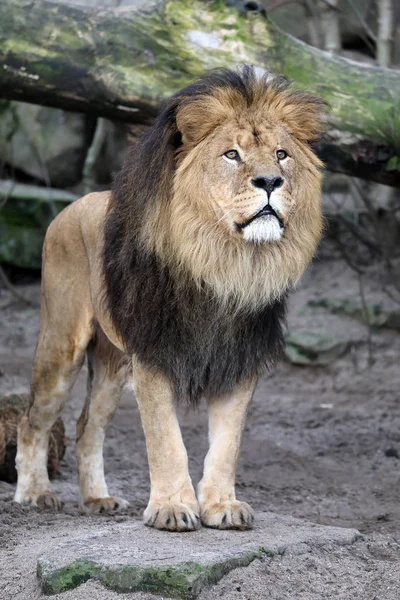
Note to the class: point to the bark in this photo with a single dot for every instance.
(385, 33)
(89, 177)
(120, 64)
(384, 52)
(314, 24)
(331, 27)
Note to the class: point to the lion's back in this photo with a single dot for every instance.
(76, 230)
(71, 254)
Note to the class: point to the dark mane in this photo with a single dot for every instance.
(183, 331)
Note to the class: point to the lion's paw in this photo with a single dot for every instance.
(172, 516)
(43, 500)
(230, 514)
(107, 505)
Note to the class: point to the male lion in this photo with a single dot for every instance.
(176, 281)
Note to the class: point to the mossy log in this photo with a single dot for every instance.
(11, 410)
(121, 63)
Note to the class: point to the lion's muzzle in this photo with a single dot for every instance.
(266, 211)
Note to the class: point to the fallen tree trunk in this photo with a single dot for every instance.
(120, 64)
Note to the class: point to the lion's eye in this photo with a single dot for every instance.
(281, 154)
(232, 155)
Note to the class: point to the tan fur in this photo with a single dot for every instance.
(172, 503)
(197, 233)
(216, 491)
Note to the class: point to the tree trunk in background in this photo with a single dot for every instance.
(313, 23)
(121, 64)
(330, 23)
(384, 53)
(385, 33)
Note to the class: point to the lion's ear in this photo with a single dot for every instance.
(196, 119)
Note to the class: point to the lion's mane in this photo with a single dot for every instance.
(215, 321)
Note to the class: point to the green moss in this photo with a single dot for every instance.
(362, 100)
(67, 578)
(393, 164)
(175, 580)
(4, 106)
(47, 69)
(184, 581)
(25, 47)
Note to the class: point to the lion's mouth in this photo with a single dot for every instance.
(267, 211)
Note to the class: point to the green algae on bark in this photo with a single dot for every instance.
(122, 64)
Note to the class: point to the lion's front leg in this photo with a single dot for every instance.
(216, 491)
(172, 503)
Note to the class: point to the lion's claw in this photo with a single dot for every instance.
(107, 505)
(230, 514)
(172, 516)
(45, 500)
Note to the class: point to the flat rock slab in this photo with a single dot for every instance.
(131, 557)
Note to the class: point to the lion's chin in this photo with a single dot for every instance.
(262, 230)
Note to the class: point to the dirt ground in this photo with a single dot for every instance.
(321, 443)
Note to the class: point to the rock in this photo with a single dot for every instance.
(24, 220)
(391, 453)
(373, 315)
(309, 348)
(11, 410)
(46, 143)
(131, 557)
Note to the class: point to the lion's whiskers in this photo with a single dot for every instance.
(225, 215)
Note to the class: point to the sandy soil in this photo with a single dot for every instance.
(316, 446)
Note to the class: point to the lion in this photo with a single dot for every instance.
(175, 282)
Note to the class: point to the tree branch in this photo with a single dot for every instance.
(385, 33)
(120, 64)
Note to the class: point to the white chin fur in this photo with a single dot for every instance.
(263, 229)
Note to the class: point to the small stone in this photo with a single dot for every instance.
(391, 453)
(311, 348)
(384, 517)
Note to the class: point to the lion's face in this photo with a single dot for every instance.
(250, 174)
(251, 166)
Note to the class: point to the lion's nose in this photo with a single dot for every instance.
(269, 184)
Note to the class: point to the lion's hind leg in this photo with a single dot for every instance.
(58, 360)
(108, 372)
